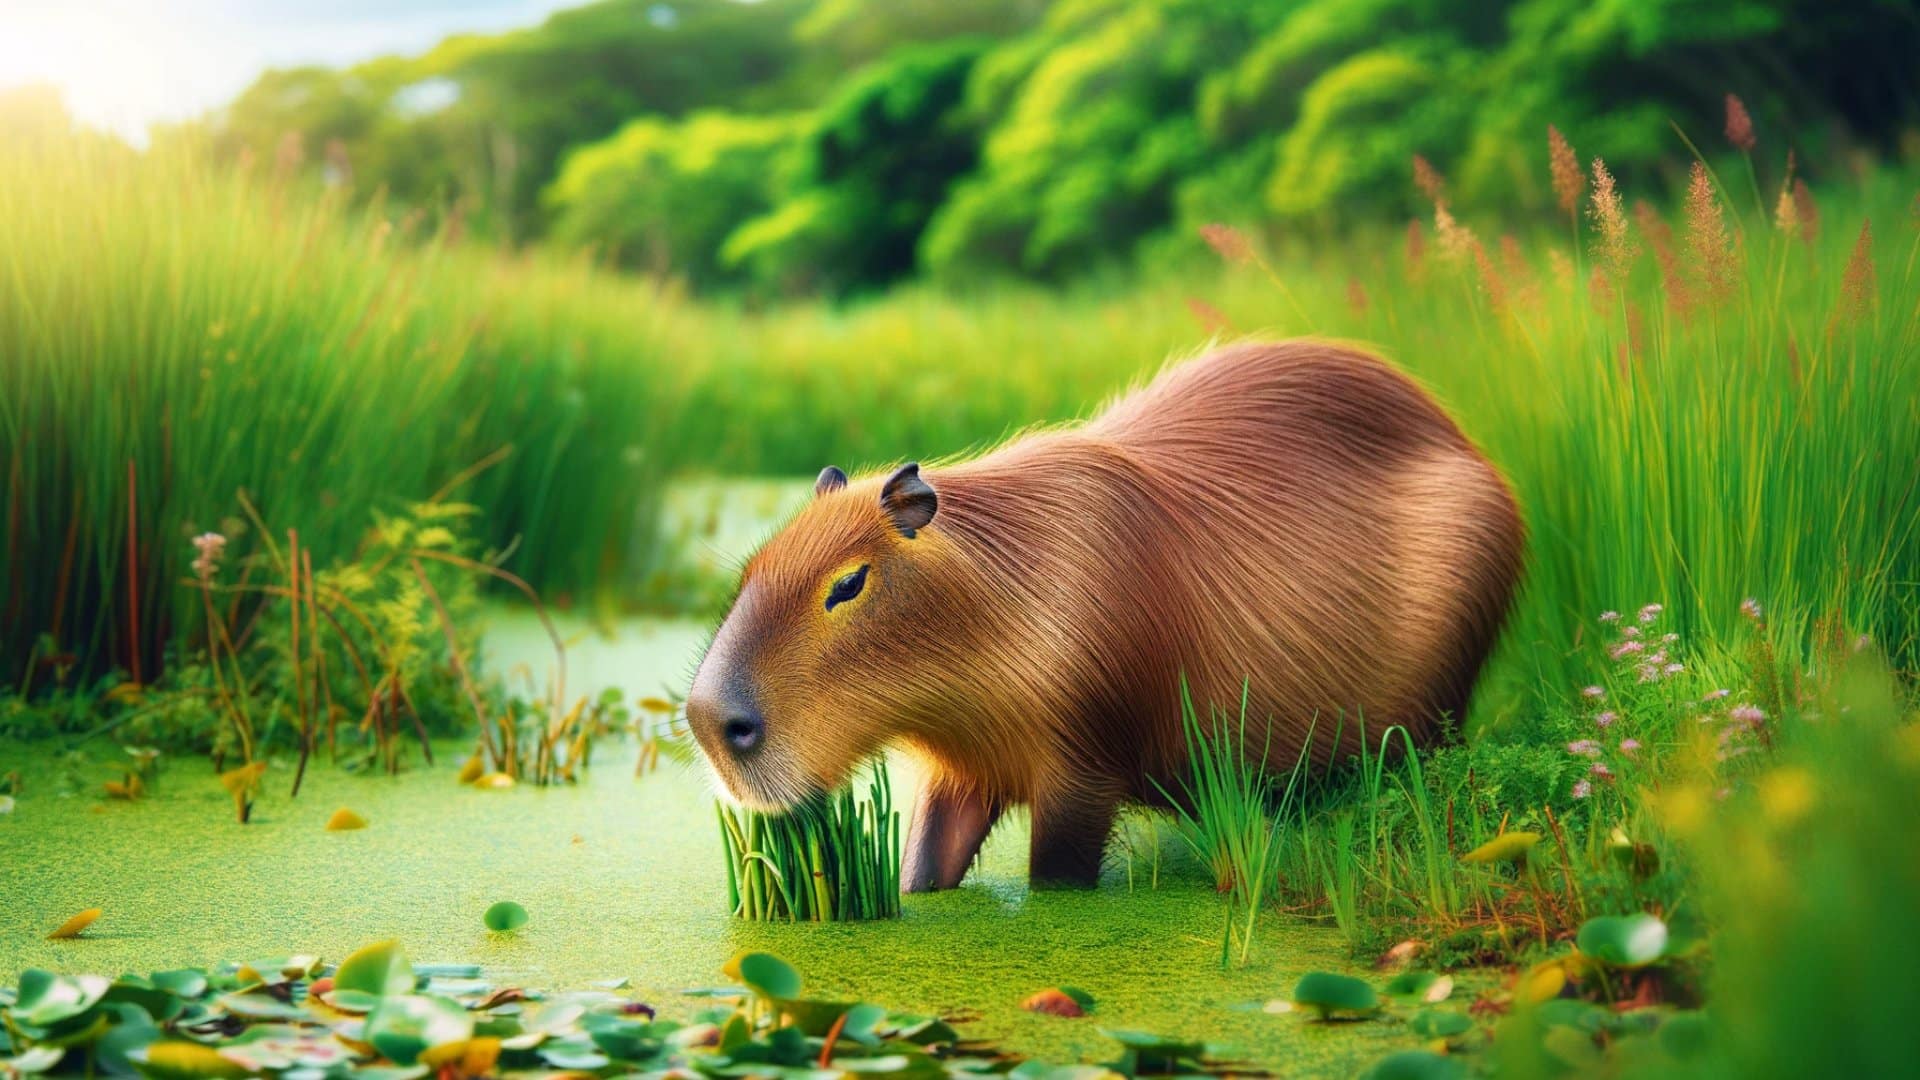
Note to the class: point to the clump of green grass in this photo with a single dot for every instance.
(833, 860)
(1228, 812)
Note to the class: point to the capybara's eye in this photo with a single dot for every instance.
(847, 588)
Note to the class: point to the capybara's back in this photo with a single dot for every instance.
(1295, 519)
(1343, 550)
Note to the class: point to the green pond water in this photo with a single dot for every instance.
(623, 877)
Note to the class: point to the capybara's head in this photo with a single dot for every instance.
(814, 665)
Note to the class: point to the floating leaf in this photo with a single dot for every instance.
(657, 705)
(1054, 1002)
(378, 969)
(1330, 994)
(1420, 986)
(473, 770)
(45, 998)
(1416, 1065)
(1507, 847)
(72, 927)
(1439, 1024)
(184, 983)
(766, 975)
(505, 917)
(344, 819)
(30, 1062)
(404, 1026)
(1627, 941)
(494, 781)
(176, 1059)
(1543, 982)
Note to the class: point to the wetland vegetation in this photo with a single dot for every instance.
(358, 544)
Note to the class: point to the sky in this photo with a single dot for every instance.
(123, 64)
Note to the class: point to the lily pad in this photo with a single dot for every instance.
(1507, 847)
(72, 927)
(405, 1026)
(766, 975)
(46, 998)
(1439, 1024)
(1335, 995)
(1426, 986)
(378, 969)
(1416, 1065)
(505, 917)
(1626, 941)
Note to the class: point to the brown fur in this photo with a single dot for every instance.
(1299, 516)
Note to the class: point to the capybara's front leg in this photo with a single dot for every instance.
(950, 820)
(1070, 840)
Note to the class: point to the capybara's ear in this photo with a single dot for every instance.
(908, 500)
(831, 480)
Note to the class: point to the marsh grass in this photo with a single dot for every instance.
(180, 338)
(834, 860)
(1229, 812)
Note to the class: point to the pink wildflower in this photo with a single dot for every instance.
(1600, 770)
(1651, 612)
(1609, 616)
(1584, 747)
(1594, 692)
(1628, 746)
(1606, 719)
(210, 547)
(1750, 715)
(1750, 608)
(1717, 695)
(1582, 789)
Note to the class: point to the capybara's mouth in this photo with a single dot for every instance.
(765, 787)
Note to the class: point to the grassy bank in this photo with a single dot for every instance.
(1720, 405)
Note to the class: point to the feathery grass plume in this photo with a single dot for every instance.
(1416, 247)
(1562, 265)
(1786, 215)
(1660, 236)
(1859, 286)
(1569, 182)
(1356, 296)
(1709, 244)
(1229, 243)
(1740, 125)
(1519, 275)
(1806, 212)
(1429, 181)
(1600, 291)
(1209, 317)
(1456, 240)
(1491, 282)
(1613, 248)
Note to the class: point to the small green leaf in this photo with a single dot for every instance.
(1330, 994)
(1627, 941)
(46, 998)
(378, 969)
(768, 976)
(405, 1026)
(505, 917)
(1439, 1024)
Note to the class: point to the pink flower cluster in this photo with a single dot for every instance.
(209, 548)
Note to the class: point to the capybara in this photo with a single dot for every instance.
(1297, 518)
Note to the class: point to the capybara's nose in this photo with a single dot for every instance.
(743, 728)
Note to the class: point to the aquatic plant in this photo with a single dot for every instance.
(835, 859)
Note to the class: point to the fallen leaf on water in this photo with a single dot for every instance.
(131, 788)
(657, 705)
(1054, 1002)
(505, 916)
(344, 819)
(1400, 955)
(472, 770)
(498, 781)
(72, 927)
